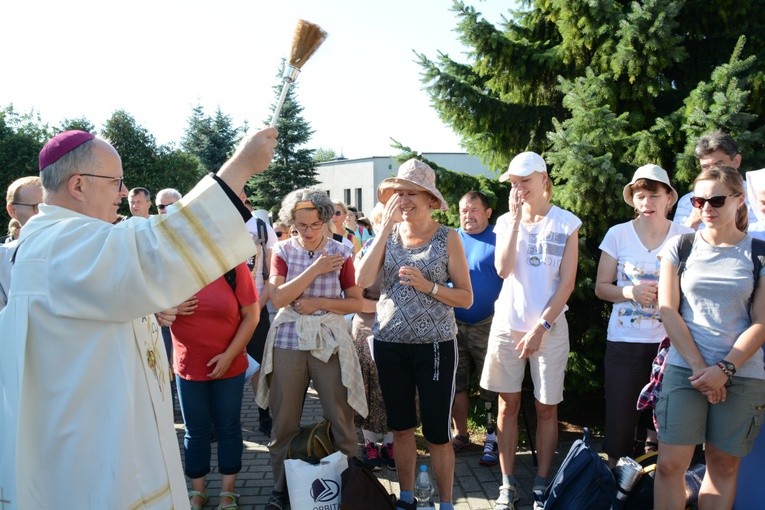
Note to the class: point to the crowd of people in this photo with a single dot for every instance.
(386, 315)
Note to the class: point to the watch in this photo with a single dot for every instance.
(729, 367)
(544, 324)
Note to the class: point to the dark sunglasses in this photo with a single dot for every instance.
(338, 213)
(279, 234)
(715, 202)
(162, 207)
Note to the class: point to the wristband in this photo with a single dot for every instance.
(544, 324)
(435, 289)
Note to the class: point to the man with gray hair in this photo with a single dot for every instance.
(165, 198)
(86, 400)
(21, 201)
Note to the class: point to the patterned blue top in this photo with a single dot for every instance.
(405, 315)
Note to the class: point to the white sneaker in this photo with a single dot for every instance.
(508, 497)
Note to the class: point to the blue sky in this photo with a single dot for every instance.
(157, 59)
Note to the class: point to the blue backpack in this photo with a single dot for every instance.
(583, 481)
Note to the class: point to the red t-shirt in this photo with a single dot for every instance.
(199, 337)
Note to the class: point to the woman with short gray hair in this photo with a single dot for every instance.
(313, 284)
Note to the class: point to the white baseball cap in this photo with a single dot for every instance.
(525, 163)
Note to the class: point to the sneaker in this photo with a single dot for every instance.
(371, 460)
(406, 506)
(540, 486)
(386, 453)
(490, 455)
(278, 501)
(508, 497)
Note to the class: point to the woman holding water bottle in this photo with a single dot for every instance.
(628, 276)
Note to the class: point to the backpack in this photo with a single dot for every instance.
(361, 490)
(583, 481)
(312, 443)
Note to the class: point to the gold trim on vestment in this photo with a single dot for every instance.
(205, 238)
(183, 250)
(152, 497)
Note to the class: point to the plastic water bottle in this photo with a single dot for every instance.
(423, 489)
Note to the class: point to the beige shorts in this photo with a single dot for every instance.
(503, 370)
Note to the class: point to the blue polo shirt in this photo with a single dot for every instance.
(486, 283)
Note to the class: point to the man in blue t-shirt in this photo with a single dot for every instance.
(474, 323)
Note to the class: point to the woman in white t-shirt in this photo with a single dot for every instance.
(536, 254)
(628, 276)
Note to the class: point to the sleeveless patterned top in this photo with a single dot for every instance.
(405, 315)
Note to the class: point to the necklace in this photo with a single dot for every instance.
(311, 252)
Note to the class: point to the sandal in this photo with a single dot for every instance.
(459, 442)
(202, 495)
(231, 506)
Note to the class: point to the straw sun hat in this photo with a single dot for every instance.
(412, 174)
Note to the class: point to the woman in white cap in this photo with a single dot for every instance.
(628, 277)
(536, 254)
(415, 347)
(713, 388)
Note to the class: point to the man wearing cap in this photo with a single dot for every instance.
(21, 201)
(87, 419)
(474, 323)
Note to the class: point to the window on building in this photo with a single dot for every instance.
(347, 196)
(357, 202)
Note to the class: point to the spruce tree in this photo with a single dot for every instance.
(600, 88)
(293, 164)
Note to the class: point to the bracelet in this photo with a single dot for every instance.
(725, 367)
(544, 324)
(435, 289)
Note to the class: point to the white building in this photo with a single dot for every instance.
(354, 181)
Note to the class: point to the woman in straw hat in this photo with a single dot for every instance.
(536, 254)
(713, 388)
(628, 277)
(313, 284)
(415, 346)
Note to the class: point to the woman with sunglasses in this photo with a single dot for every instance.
(313, 284)
(338, 228)
(628, 277)
(713, 389)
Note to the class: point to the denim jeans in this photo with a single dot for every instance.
(204, 404)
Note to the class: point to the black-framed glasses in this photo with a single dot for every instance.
(120, 180)
(716, 202)
(33, 206)
(302, 227)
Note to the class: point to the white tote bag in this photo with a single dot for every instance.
(315, 485)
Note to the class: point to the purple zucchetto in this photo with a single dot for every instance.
(62, 144)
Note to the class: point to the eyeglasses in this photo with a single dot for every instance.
(302, 227)
(716, 202)
(33, 206)
(120, 180)
(338, 213)
(278, 233)
(162, 207)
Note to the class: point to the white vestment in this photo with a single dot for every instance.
(6, 253)
(87, 418)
